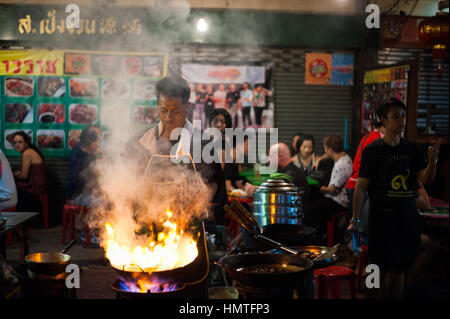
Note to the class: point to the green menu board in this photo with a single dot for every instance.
(53, 95)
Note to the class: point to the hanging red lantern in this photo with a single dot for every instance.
(433, 31)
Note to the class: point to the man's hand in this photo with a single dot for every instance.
(433, 150)
(351, 227)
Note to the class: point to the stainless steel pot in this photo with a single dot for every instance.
(277, 201)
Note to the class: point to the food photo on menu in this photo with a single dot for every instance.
(50, 139)
(152, 66)
(145, 115)
(83, 87)
(112, 88)
(74, 138)
(51, 86)
(105, 64)
(144, 89)
(9, 135)
(82, 113)
(19, 86)
(131, 65)
(18, 113)
(51, 113)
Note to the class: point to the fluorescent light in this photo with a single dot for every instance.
(202, 25)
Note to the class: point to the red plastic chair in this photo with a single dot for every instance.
(44, 201)
(69, 213)
(332, 276)
(331, 226)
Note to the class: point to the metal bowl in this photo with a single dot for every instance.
(47, 263)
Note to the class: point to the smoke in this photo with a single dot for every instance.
(122, 195)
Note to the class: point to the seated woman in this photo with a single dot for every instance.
(334, 195)
(8, 191)
(221, 119)
(305, 158)
(31, 179)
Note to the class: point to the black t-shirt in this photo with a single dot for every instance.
(233, 97)
(209, 103)
(392, 171)
(394, 224)
(199, 96)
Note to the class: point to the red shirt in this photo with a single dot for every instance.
(366, 140)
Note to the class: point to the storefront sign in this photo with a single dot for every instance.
(54, 23)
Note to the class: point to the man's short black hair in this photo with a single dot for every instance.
(385, 106)
(88, 135)
(174, 87)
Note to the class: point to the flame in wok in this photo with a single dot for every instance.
(173, 248)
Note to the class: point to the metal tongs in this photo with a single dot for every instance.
(246, 220)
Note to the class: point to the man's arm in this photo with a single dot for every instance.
(358, 197)
(427, 175)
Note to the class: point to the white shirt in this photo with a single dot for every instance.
(8, 189)
(183, 146)
(341, 172)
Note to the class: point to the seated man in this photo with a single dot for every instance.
(82, 156)
(82, 177)
(8, 191)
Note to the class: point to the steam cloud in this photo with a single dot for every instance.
(123, 196)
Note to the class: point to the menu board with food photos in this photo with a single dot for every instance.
(379, 85)
(53, 95)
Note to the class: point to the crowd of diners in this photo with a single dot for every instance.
(381, 187)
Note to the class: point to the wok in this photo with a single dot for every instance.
(51, 264)
(233, 265)
(184, 274)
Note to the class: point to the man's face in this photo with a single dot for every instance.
(396, 120)
(172, 112)
(232, 87)
(273, 158)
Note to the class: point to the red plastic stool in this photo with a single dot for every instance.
(333, 275)
(69, 213)
(44, 201)
(9, 235)
(362, 265)
(330, 227)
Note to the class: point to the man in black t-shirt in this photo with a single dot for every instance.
(233, 97)
(390, 170)
(208, 100)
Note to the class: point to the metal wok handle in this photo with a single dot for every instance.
(275, 244)
(69, 245)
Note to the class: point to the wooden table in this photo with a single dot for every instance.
(17, 223)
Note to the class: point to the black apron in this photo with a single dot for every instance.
(394, 222)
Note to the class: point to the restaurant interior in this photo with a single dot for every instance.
(84, 216)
